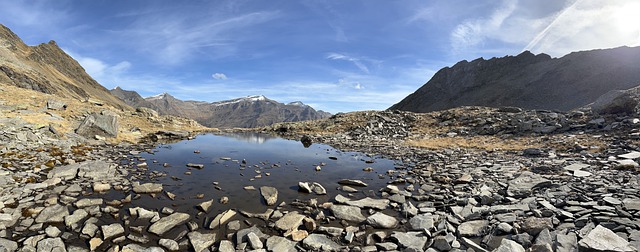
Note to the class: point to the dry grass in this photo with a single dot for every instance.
(19, 99)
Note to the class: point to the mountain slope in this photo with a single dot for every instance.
(528, 81)
(246, 112)
(48, 69)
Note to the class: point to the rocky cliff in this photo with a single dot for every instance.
(528, 81)
(48, 69)
(246, 112)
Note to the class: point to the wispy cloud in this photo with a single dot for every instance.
(219, 76)
(356, 61)
(102, 72)
(473, 32)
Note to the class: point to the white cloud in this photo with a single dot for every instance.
(471, 33)
(98, 69)
(219, 76)
(357, 62)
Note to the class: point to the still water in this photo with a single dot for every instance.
(234, 161)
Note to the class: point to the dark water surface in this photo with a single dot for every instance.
(285, 161)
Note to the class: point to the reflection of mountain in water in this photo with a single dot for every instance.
(251, 137)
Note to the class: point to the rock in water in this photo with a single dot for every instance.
(104, 124)
(348, 213)
(147, 188)
(165, 224)
(201, 241)
(603, 239)
(270, 194)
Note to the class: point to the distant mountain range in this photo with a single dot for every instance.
(246, 112)
(528, 81)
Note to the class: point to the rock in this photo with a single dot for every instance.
(56, 105)
(76, 217)
(204, 206)
(612, 201)
(306, 141)
(147, 112)
(138, 248)
(111, 231)
(603, 239)
(290, 221)
(53, 214)
(94, 243)
(567, 243)
(415, 241)
(198, 166)
(104, 124)
(277, 243)
(352, 182)
(422, 222)
(97, 170)
(227, 246)
(66, 172)
(166, 223)
(101, 187)
(52, 231)
(509, 246)
(87, 202)
(51, 244)
(367, 202)
(310, 187)
(241, 236)
(171, 245)
(465, 179)
(381, 220)
(533, 225)
(473, 228)
(254, 241)
(630, 155)
(222, 218)
(269, 194)
(201, 241)
(523, 185)
(348, 213)
(8, 245)
(299, 235)
(614, 102)
(147, 187)
(319, 242)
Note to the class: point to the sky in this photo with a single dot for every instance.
(335, 55)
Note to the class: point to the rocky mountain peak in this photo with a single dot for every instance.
(297, 103)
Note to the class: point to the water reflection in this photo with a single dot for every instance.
(250, 137)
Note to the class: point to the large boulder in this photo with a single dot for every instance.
(104, 124)
(614, 102)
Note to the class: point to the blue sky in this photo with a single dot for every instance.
(337, 56)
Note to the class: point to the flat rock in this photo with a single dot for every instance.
(51, 244)
(367, 202)
(320, 242)
(312, 187)
(348, 213)
(169, 244)
(166, 223)
(201, 241)
(139, 248)
(97, 170)
(76, 217)
(630, 155)
(227, 246)
(111, 231)
(381, 220)
(8, 245)
(66, 172)
(277, 243)
(534, 226)
(290, 221)
(422, 222)
(473, 228)
(53, 214)
(87, 202)
(352, 182)
(410, 240)
(222, 218)
(523, 185)
(603, 239)
(269, 194)
(204, 206)
(147, 187)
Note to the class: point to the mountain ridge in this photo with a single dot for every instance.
(243, 112)
(528, 81)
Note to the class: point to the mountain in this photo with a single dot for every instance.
(528, 81)
(246, 112)
(48, 69)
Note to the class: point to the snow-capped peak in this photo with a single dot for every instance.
(157, 97)
(297, 103)
(251, 98)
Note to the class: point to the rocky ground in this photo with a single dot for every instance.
(506, 180)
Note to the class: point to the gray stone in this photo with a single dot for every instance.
(254, 241)
(8, 245)
(56, 105)
(204, 206)
(147, 187)
(103, 124)
(352, 182)
(612, 201)
(381, 220)
(614, 102)
(567, 243)
(166, 223)
(277, 243)
(533, 225)
(51, 245)
(367, 202)
(66, 172)
(473, 228)
(241, 236)
(76, 217)
(201, 241)
(53, 214)
(290, 221)
(348, 213)
(270, 195)
(509, 246)
(310, 187)
(422, 222)
(111, 231)
(97, 170)
(227, 246)
(169, 244)
(138, 248)
(320, 242)
(603, 239)
(523, 185)
(52, 231)
(410, 240)
(222, 218)
(87, 202)
(441, 244)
